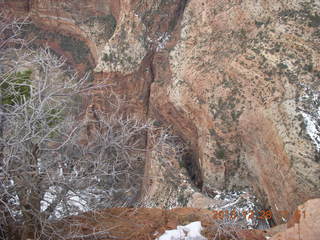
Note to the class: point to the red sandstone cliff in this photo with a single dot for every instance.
(238, 80)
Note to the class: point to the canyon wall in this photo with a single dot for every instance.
(238, 80)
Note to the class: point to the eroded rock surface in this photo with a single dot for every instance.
(245, 77)
(238, 80)
(304, 223)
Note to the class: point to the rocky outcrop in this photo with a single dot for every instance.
(238, 80)
(240, 75)
(304, 224)
(146, 224)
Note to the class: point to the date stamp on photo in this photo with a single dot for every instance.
(249, 214)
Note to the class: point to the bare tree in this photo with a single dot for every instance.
(47, 172)
(10, 31)
(51, 165)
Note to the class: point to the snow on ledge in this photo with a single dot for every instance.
(312, 129)
(191, 231)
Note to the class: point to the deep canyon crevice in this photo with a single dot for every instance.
(238, 81)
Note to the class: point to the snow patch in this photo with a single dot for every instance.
(245, 206)
(191, 231)
(162, 41)
(312, 129)
(310, 110)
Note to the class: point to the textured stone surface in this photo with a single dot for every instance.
(238, 81)
(146, 223)
(240, 75)
(198, 200)
(304, 224)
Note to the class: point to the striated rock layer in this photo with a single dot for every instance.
(238, 80)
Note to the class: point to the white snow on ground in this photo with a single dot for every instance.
(244, 204)
(79, 203)
(162, 41)
(73, 202)
(191, 231)
(311, 114)
(312, 129)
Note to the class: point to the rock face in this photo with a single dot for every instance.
(240, 75)
(145, 224)
(238, 79)
(304, 224)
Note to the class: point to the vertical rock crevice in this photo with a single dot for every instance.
(189, 159)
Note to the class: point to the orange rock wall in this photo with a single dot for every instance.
(238, 80)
